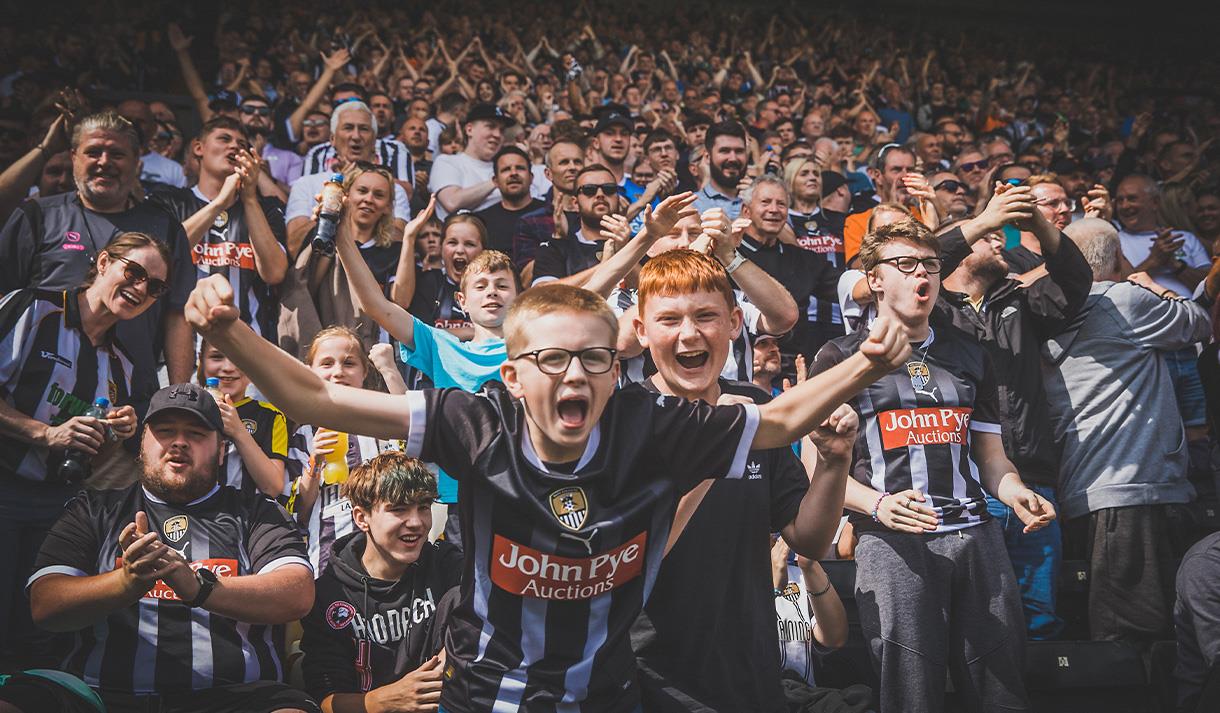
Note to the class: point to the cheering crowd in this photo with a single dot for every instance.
(411, 359)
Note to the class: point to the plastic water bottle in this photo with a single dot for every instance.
(328, 216)
(212, 385)
(75, 466)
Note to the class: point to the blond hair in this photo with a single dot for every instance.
(550, 298)
(487, 262)
(383, 232)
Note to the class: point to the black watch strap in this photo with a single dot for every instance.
(207, 582)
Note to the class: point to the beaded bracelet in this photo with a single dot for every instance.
(877, 505)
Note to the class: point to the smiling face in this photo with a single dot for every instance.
(338, 360)
(106, 168)
(562, 409)
(808, 183)
(398, 531)
(767, 210)
(486, 297)
(688, 336)
(179, 455)
(123, 296)
(371, 196)
(215, 364)
(459, 246)
(1053, 203)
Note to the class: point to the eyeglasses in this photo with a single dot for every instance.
(589, 190)
(907, 264)
(135, 273)
(250, 110)
(314, 123)
(554, 361)
(950, 185)
(980, 165)
(1065, 203)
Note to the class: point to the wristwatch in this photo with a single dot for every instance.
(738, 259)
(207, 582)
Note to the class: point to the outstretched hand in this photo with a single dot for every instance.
(659, 222)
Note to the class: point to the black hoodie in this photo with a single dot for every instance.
(364, 633)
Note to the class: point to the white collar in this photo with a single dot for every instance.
(527, 449)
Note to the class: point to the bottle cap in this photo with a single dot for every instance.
(212, 382)
(336, 178)
(103, 402)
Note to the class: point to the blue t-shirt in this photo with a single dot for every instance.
(451, 363)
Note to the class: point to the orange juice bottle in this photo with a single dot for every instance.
(335, 470)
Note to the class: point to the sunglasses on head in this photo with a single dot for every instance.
(980, 165)
(590, 189)
(135, 273)
(251, 110)
(950, 185)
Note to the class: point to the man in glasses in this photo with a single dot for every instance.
(1012, 321)
(573, 259)
(971, 168)
(951, 195)
(232, 230)
(283, 166)
(932, 580)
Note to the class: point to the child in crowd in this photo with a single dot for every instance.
(256, 431)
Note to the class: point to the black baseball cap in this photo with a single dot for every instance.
(224, 100)
(489, 112)
(614, 118)
(831, 180)
(188, 398)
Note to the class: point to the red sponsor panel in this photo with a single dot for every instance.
(224, 255)
(161, 590)
(924, 426)
(525, 571)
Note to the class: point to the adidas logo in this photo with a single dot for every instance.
(754, 471)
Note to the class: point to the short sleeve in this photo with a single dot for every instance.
(827, 357)
(402, 204)
(751, 316)
(184, 272)
(72, 545)
(852, 310)
(272, 538)
(445, 173)
(275, 445)
(702, 441)
(425, 356)
(986, 415)
(18, 245)
(451, 428)
(788, 485)
(1196, 255)
(15, 340)
(548, 263)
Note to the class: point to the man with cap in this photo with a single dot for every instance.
(463, 181)
(177, 586)
(612, 141)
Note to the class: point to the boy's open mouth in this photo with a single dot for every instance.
(573, 410)
(923, 290)
(692, 359)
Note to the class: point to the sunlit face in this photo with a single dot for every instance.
(906, 297)
(593, 208)
(971, 168)
(460, 245)
(950, 194)
(865, 125)
(613, 144)
(562, 409)
(486, 297)
(1135, 204)
(483, 138)
(428, 242)
(217, 152)
(808, 182)
(688, 337)
(354, 139)
(728, 160)
(120, 283)
(338, 360)
(105, 167)
(179, 455)
(315, 129)
(767, 210)
(813, 126)
(233, 381)
(895, 165)
(512, 176)
(767, 358)
(1053, 203)
(414, 133)
(371, 196)
(398, 531)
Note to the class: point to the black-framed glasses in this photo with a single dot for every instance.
(554, 361)
(251, 110)
(971, 167)
(135, 273)
(907, 264)
(589, 190)
(950, 185)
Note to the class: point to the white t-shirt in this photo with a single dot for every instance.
(461, 170)
(158, 169)
(435, 127)
(1137, 246)
(540, 184)
(301, 199)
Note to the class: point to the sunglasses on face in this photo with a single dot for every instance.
(951, 186)
(591, 189)
(135, 273)
(314, 123)
(554, 361)
(250, 110)
(973, 166)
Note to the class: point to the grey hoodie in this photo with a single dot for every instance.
(1112, 401)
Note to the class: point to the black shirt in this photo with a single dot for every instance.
(435, 301)
(501, 224)
(558, 566)
(557, 259)
(708, 631)
(50, 243)
(805, 274)
(1021, 259)
(821, 232)
(159, 644)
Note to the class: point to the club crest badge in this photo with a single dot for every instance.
(222, 219)
(339, 614)
(175, 528)
(570, 507)
(921, 377)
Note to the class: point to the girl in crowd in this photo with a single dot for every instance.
(256, 431)
(430, 295)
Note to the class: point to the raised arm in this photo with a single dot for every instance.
(302, 395)
(403, 289)
(778, 309)
(367, 293)
(331, 65)
(657, 224)
(270, 258)
(181, 45)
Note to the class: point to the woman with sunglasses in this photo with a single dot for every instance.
(58, 354)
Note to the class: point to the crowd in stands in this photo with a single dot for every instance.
(631, 324)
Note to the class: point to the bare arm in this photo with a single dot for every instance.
(999, 477)
(298, 229)
(830, 618)
(179, 347)
(403, 289)
(301, 394)
(270, 260)
(812, 530)
(367, 293)
(454, 198)
(17, 179)
(603, 278)
(331, 64)
(190, 76)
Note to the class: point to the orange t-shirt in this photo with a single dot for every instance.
(855, 227)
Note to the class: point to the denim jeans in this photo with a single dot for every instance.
(1036, 558)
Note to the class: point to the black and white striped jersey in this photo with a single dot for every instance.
(916, 424)
(560, 559)
(391, 153)
(50, 371)
(331, 515)
(226, 249)
(159, 644)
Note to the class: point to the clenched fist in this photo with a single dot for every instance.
(210, 306)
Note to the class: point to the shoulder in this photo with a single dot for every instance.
(745, 388)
